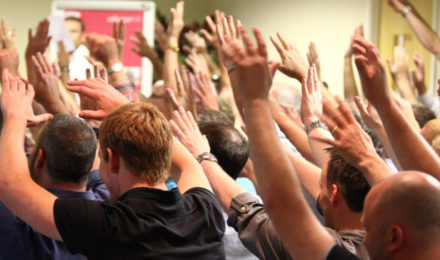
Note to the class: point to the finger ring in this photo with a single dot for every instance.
(334, 129)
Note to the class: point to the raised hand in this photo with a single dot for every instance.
(399, 67)
(196, 41)
(16, 101)
(185, 95)
(103, 48)
(312, 57)
(46, 87)
(369, 115)
(119, 36)
(7, 35)
(250, 63)
(371, 72)
(204, 92)
(9, 60)
(63, 56)
(142, 48)
(418, 75)
(176, 24)
(186, 128)
(197, 62)
(211, 36)
(105, 96)
(311, 100)
(40, 41)
(292, 64)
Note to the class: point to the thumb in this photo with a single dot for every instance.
(36, 120)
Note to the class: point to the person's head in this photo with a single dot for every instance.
(431, 133)
(65, 150)
(341, 185)
(208, 117)
(402, 216)
(137, 137)
(422, 114)
(228, 145)
(76, 28)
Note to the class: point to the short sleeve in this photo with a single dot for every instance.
(339, 253)
(83, 224)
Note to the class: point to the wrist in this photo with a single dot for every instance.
(406, 10)
(310, 120)
(112, 62)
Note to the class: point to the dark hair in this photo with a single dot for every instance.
(229, 146)
(423, 114)
(208, 117)
(374, 138)
(76, 19)
(69, 145)
(349, 179)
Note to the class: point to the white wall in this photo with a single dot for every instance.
(328, 23)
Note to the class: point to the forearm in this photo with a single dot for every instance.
(157, 66)
(170, 65)
(405, 89)
(350, 89)
(413, 152)
(427, 37)
(186, 171)
(224, 187)
(388, 147)
(308, 173)
(296, 136)
(374, 169)
(320, 155)
(269, 157)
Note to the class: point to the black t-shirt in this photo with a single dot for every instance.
(144, 223)
(339, 253)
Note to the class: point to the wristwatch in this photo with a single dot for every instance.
(117, 67)
(406, 10)
(315, 124)
(206, 156)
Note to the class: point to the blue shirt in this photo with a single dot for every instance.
(19, 241)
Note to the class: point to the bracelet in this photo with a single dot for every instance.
(117, 67)
(316, 124)
(206, 156)
(174, 47)
(406, 10)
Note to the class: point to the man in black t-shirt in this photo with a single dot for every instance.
(143, 219)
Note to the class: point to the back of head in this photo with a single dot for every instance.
(349, 179)
(212, 117)
(412, 199)
(142, 137)
(228, 145)
(422, 114)
(69, 146)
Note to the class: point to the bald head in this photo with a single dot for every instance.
(411, 200)
(431, 132)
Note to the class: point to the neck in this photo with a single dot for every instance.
(348, 220)
(128, 181)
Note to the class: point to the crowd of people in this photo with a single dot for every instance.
(92, 169)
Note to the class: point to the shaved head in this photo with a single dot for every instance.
(410, 200)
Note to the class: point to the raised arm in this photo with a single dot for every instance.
(427, 37)
(413, 152)
(279, 185)
(225, 188)
(26, 199)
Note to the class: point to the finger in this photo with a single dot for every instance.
(95, 71)
(361, 107)
(185, 118)
(210, 23)
(39, 119)
(5, 80)
(277, 45)
(103, 74)
(88, 74)
(42, 63)
(37, 66)
(172, 98)
(178, 116)
(191, 120)
(358, 49)
(92, 114)
(219, 32)
(54, 68)
(326, 139)
(176, 129)
(115, 30)
(345, 110)
(261, 45)
(225, 28)
(247, 40)
(84, 90)
(231, 26)
(333, 112)
(283, 41)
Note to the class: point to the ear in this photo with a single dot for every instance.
(41, 159)
(334, 194)
(394, 238)
(113, 160)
